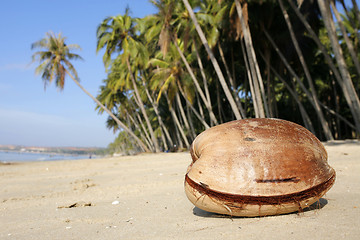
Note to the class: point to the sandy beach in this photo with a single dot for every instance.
(142, 197)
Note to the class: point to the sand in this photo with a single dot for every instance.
(142, 197)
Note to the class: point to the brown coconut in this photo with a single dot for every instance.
(257, 167)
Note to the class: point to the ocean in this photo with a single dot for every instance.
(7, 157)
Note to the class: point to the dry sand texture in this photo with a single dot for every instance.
(142, 197)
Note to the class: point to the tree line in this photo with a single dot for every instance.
(196, 64)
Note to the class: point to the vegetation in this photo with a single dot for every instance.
(195, 64)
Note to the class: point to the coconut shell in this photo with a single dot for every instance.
(257, 167)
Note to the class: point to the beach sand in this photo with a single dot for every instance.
(142, 197)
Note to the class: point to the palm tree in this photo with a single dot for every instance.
(55, 64)
(116, 34)
(214, 61)
(317, 107)
(341, 75)
(324, 7)
(155, 105)
(166, 76)
(166, 28)
(254, 67)
(212, 19)
(348, 42)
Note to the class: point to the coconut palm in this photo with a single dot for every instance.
(117, 35)
(341, 74)
(348, 42)
(164, 28)
(55, 63)
(166, 78)
(213, 60)
(213, 17)
(254, 67)
(315, 99)
(324, 7)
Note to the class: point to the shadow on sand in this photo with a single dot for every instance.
(315, 206)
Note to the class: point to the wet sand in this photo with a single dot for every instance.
(142, 197)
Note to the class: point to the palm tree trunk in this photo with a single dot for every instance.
(356, 10)
(136, 124)
(346, 38)
(214, 61)
(305, 116)
(250, 79)
(121, 124)
(197, 85)
(182, 112)
(161, 123)
(213, 120)
(174, 116)
(207, 93)
(199, 106)
(142, 108)
(254, 67)
(220, 110)
(269, 86)
(190, 120)
(201, 118)
(231, 80)
(338, 115)
(178, 137)
(337, 107)
(329, 24)
(145, 130)
(166, 147)
(130, 122)
(312, 97)
(349, 92)
(324, 123)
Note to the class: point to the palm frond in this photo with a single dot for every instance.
(54, 59)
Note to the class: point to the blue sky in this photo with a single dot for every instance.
(31, 116)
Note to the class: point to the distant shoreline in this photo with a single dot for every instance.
(25, 156)
(54, 150)
(34, 152)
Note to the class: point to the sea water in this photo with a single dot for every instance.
(29, 157)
